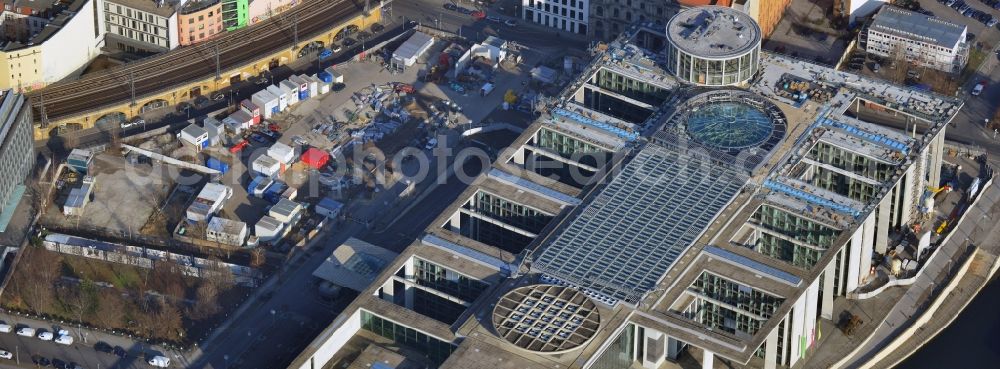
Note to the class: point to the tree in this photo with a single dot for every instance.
(257, 257)
(170, 324)
(207, 301)
(110, 310)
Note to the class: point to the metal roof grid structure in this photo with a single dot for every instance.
(919, 27)
(546, 318)
(625, 239)
(713, 32)
(811, 198)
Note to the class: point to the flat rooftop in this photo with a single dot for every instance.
(915, 26)
(164, 9)
(713, 32)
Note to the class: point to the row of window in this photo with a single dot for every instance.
(135, 14)
(872, 35)
(558, 10)
(445, 280)
(510, 212)
(140, 26)
(566, 3)
(434, 349)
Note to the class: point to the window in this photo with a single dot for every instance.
(190, 20)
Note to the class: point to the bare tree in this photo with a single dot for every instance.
(170, 323)
(110, 310)
(207, 301)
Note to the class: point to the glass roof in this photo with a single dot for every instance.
(626, 238)
(729, 125)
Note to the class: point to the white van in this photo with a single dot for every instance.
(5, 328)
(46, 336)
(26, 332)
(64, 340)
(159, 361)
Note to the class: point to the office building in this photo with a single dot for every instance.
(918, 39)
(139, 26)
(564, 15)
(608, 18)
(643, 219)
(17, 152)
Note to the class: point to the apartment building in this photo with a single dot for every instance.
(139, 26)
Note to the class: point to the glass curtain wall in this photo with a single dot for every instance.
(434, 349)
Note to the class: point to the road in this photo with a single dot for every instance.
(80, 352)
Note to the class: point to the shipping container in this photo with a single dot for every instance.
(274, 191)
(252, 109)
(258, 185)
(219, 165)
(267, 103)
(291, 90)
(322, 85)
(325, 76)
(303, 87)
(266, 165)
(281, 152)
(336, 76)
(311, 83)
(281, 95)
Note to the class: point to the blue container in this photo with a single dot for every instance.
(213, 163)
(325, 77)
(204, 144)
(325, 53)
(273, 192)
(303, 95)
(253, 184)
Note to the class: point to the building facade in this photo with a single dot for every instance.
(235, 14)
(608, 18)
(62, 48)
(919, 39)
(564, 15)
(199, 20)
(259, 10)
(17, 152)
(138, 26)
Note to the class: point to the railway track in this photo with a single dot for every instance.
(184, 65)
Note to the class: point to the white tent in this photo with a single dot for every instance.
(409, 51)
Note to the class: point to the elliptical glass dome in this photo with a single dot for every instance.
(729, 125)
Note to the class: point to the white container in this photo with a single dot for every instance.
(267, 102)
(313, 86)
(280, 94)
(281, 152)
(291, 90)
(323, 86)
(337, 76)
(266, 165)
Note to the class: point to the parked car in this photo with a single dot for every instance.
(450, 6)
(978, 89)
(40, 361)
(465, 11)
(120, 352)
(104, 347)
(5, 328)
(992, 22)
(336, 48)
(159, 361)
(26, 332)
(478, 15)
(4, 354)
(64, 339)
(377, 27)
(510, 23)
(45, 336)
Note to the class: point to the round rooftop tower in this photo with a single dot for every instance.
(713, 46)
